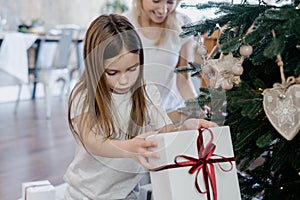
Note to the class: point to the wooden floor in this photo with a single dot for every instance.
(33, 147)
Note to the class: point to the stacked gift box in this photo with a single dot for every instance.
(38, 190)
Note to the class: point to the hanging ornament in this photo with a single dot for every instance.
(246, 50)
(224, 72)
(282, 104)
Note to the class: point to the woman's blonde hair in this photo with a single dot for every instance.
(106, 37)
(173, 21)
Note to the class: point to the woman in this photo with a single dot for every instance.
(159, 26)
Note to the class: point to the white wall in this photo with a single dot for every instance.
(51, 12)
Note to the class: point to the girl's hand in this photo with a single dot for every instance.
(194, 124)
(138, 149)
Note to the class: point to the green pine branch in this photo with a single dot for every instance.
(276, 176)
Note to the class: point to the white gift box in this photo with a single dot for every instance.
(177, 183)
(38, 190)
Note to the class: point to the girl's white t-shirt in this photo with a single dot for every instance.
(96, 177)
(161, 61)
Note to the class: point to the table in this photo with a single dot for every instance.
(13, 54)
(14, 58)
(14, 51)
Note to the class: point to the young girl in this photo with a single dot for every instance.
(111, 112)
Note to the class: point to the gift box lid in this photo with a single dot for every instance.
(170, 144)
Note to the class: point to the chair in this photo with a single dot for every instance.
(79, 34)
(43, 72)
(7, 79)
(78, 68)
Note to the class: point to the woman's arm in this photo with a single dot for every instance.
(189, 124)
(184, 82)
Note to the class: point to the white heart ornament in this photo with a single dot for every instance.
(283, 110)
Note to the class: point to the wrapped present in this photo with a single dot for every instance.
(38, 190)
(196, 164)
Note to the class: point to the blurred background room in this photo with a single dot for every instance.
(35, 140)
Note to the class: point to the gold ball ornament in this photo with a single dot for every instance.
(226, 84)
(280, 63)
(237, 70)
(246, 50)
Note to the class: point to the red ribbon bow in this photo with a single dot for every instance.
(204, 162)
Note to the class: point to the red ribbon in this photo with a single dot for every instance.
(204, 162)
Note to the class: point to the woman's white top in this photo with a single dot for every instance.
(95, 177)
(160, 62)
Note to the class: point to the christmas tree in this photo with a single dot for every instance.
(263, 106)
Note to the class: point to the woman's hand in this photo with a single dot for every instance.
(194, 124)
(138, 148)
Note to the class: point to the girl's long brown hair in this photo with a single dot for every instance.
(106, 37)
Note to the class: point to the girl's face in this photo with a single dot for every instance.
(157, 11)
(122, 72)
